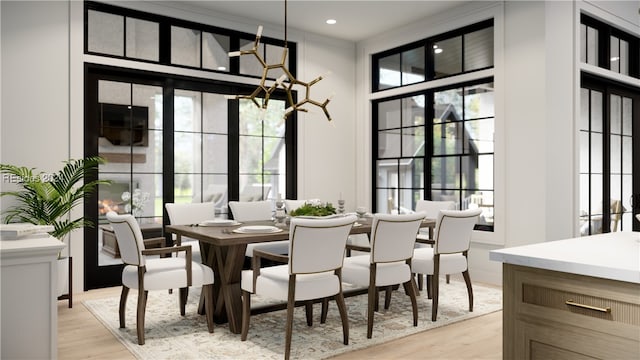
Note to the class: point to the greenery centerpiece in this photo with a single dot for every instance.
(48, 199)
(314, 209)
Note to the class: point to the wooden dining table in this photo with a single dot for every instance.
(224, 251)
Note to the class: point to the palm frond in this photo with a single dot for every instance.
(48, 199)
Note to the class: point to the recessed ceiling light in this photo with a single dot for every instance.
(615, 58)
(331, 21)
(437, 51)
(222, 68)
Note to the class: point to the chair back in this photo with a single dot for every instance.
(318, 245)
(616, 213)
(251, 210)
(190, 213)
(393, 236)
(129, 238)
(290, 204)
(454, 229)
(214, 193)
(432, 208)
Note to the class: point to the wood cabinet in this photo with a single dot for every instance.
(557, 315)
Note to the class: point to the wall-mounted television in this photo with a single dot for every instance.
(124, 125)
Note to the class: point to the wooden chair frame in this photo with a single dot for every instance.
(291, 302)
(143, 294)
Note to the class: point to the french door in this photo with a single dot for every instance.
(609, 157)
(169, 139)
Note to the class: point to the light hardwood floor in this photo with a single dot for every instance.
(82, 336)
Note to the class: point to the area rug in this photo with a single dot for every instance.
(171, 336)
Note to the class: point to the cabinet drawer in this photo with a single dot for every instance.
(550, 314)
(582, 304)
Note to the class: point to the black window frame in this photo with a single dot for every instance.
(428, 151)
(605, 32)
(427, 43)
(165, 24)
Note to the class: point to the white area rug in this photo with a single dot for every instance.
(171, 336)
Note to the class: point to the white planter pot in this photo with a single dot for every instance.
(63, 276)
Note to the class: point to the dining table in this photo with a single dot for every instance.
(223, 250)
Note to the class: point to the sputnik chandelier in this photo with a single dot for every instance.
(286, 81)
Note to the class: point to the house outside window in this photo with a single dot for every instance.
(436, 144)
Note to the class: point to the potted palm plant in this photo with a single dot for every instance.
(48, 199)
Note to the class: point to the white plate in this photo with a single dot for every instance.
(257, 229)
(219, 222)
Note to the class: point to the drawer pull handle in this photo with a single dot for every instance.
(573, 303)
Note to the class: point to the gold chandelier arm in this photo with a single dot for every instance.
(280, 82)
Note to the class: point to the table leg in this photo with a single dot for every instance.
(228, 262)
(206, 255)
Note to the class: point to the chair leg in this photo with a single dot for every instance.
(308, 309)
(201, 305)
(246, 314)
(291, 303)
(207, 290)
(448, 278)
(387, 297)
(429, 286)
(371, 309)
(123, 304)
(409, 288)
(467, 280)
(184, 294)
(142, 304)
(420, 281)
(325, 311)
(373, 300)
(376, 300)
(435, 284)
(343, 316)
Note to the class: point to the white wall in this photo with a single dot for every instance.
(35, 84)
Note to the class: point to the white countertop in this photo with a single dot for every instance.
(30, 246)
(614, 256)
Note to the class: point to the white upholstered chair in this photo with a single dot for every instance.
(257, 211)
(313, 271)
(187, 214)
(449, 254)
(291, 204)
(389, 261)
(161, 273)
(431, 209)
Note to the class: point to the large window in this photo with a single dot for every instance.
(436, 144)
(443, 136)
(463, 50)
(262, 151)
(200, 149)
(400, 159)
(608, 47)
(117, 32)
(609, 122)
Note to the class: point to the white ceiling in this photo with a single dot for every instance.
(356, 20)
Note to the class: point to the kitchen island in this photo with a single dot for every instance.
(572, 299)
